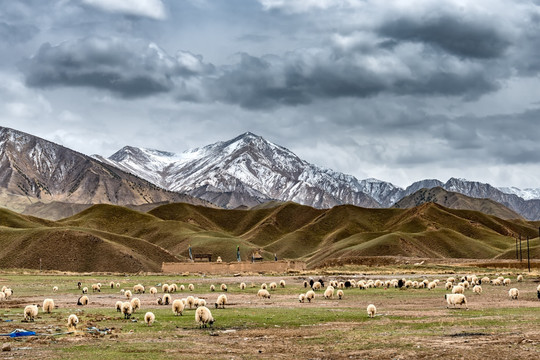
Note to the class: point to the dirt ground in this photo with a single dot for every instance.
(411, 324)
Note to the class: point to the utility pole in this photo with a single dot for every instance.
(528, 255)
(39, 264)
(520, 255)
(517, 255)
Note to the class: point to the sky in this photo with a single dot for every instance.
(395, 90)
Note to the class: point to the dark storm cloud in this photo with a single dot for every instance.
(462, 37)
(128, 68)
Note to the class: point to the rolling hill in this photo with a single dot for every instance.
(113, 238)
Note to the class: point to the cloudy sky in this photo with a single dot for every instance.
(396, 90)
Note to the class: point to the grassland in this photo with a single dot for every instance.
(412, 323)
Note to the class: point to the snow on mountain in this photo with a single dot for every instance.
(247, 165)
(527, 194)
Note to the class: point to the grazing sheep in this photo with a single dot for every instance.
(48, 305)
(455, 299)
(79, 284)
(55, 288)
(182, 288)
(329, 292)
(159, 301)
(458, 289)
(305, 283)
(282, 283)
(316, 285)
(273, 286)
(96, 287)
(451, 279)
(165, 288)
(371, 310)
(30, 312)
(242, 286)
(127, 310)
(73, 320)
(219, 259)
(408, 284)
(135, 304)
(340, 294)
(448, 286)
(203, 317)
(432, 285)
(85, 290)
(119, 306)
(221, 301)
(496, 282)
(190, 300)
(149, 318)
(173, 288)
(2, 296)
(349, 283)
(377, 284)
(513, 293)
(83, 300)
(263, 293)
(177, 307)
(212, 287)
(223, 287)
(264, 286)
(477, 289)
(191, 287)
(310, 295)
(153, 290)
(538, 292)
(166, 299)
(128, 294)
(301, 298)
(138, 289)
(111, 284)
(200, 302)
(117, 285)
(506, 282)
(465, 284)
(520, 278)
(122, 292)
(485, 280)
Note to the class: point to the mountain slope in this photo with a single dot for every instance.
(456, 201)
(247, 170)
(43, 171)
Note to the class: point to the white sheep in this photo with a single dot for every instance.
(111, 284)
(520, 278)
(212, 287)
(96, 287)
(340, 294)
(477, 289)
(48, 305)
(456, 299)
(272, 286)
(177, 307)
(451, 280)
(305, 284)
(166, 299)
(200, 302)
(83, 300)
(316, 285)
(165, 288)
(149, 318)
(117, 285)
(7, 293)
(173, 288)
(128, 294)
(371, 310)
(219, 259)
(182, 287)
(458, 289)
(301, 298)
(223, 287)
(73, 320)
(191, 287)
(135, 304)
(310, 295)
(242, 286)
(203, 316)
(190, 300)
(264, 286)
(2, 296)
(119, 306)
(221, 301)
(506, 282)
(329, 292)
(30, 312)
(153, 290)
(127, 309)
(282, 283)
(138, 289)
(263, 293)
(448, 285)
(85, 290)
(513, 293)
(432, 285)
(55, 288)
(484, 280)
(465, 284)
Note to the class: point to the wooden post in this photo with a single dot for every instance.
(528, 256)
(520, 254)
(517, 255)
(39, 264)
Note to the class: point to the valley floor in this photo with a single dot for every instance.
(410, 324)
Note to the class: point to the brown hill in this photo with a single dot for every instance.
(455, 200)
(117, 237)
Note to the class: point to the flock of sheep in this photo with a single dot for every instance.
(203, 315)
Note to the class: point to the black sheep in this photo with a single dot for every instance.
(400, 283)
(347, 284)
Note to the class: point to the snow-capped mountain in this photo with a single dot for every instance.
(33, 169)
(527, 194)
(249, 170)
(246, 170)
